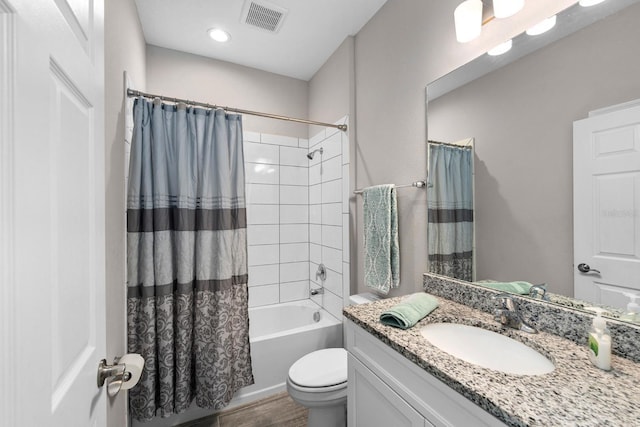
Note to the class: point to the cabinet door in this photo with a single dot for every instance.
(371, 402)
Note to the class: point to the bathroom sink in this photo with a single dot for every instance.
(486, 349)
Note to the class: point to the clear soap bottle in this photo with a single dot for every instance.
(600, 342)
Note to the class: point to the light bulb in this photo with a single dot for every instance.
(501, 48)
(543, 26)
(219, 35)
(506, 8)
(468, 20)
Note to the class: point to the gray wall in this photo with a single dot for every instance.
(522, 117)
(187, 76)
(124, 50)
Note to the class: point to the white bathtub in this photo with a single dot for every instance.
(279, 334)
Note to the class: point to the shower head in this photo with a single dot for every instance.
(311, 154)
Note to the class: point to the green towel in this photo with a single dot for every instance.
(381, 249)
(410, 311)
(521, 288)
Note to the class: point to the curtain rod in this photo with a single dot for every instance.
(448, 144)
(417, 184)
(133, 93)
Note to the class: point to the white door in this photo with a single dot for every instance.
(606, 206)
(52, 206)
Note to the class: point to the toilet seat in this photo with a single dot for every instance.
(320, 371)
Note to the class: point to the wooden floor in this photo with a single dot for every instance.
(274, 411)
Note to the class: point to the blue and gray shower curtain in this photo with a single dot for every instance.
(450, 211)
(187, 302)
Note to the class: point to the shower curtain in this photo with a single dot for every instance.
(187, 302)
(450, 211)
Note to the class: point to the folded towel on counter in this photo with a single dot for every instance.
(517, 287)
(409, 311)
(381, 249)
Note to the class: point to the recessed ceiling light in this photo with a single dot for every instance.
(219, 35)
(542, 27)
(587, 3)
(501, 48)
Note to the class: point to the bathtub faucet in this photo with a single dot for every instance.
(321, 272)
(317, 291)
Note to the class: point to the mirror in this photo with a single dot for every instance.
(520, 108)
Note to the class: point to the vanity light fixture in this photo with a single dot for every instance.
(543, 26)
(507, 8)
(219, 35)
(587, 3)
(501, 48)
(468, 16)
(468, 20)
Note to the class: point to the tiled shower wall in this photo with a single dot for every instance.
(296, 209)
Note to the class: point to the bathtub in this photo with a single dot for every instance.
(279, 334)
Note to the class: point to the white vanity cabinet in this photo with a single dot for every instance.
(386, 389)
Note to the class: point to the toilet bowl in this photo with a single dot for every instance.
(318, 381)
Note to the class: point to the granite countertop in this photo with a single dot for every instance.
(576, 393)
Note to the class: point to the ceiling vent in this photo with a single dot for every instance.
(264, 15)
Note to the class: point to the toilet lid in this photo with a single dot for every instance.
(321, 368)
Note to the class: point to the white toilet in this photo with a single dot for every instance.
(318, 381)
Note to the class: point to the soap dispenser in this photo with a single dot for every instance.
(599, 341)
(633, 309)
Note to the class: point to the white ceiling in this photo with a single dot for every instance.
(311, 31)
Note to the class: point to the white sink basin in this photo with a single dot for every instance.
(487, 349)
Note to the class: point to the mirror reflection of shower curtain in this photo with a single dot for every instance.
(450, 210)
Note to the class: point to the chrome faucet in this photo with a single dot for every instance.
(321, 273)
(509, 315)
(539, 290)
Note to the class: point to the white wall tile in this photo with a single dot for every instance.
(260, 153)
(294, 252)
(294, 214)
(331, 131)
(346, 280)
(294, 233)
(263, 214)
(315, 194)
(345, 237)
(332, 236)
(294, 272)
(332, 214)
(264, 274)
(263, 295)
(333, 304)
(345, 149)
(314, 174)
(303, 143)
(331, 169)
(315, 212)
(332, 191)
(294, 291)
(333, 283)
(313, 268)
(263, 254)
(292, 175)
(346, 193)
(250, 136)
(332, 146)
(317, 138)
(332, 258)
(257, 173)
(279, 140)
(315, 233)
(263, 234)
(294, 195)
(315, 253)
(318, 299)
(293, 156)
(262, 194)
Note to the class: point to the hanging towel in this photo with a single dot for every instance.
(517, 287)
(381, 249)
(409, 311)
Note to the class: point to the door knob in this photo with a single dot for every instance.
(584, 268)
